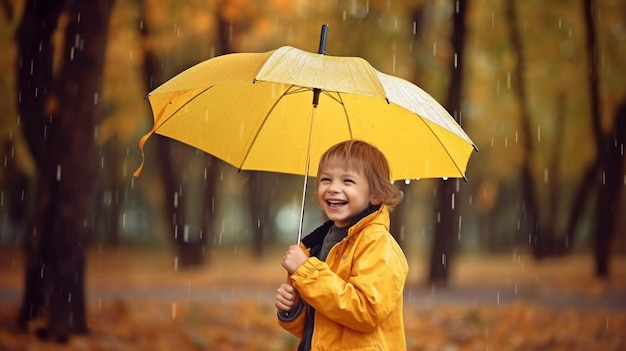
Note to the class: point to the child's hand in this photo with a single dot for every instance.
(293, 258)
(286, 298)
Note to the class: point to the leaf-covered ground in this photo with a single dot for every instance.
(139, 300)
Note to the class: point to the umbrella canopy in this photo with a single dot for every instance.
(256, 112)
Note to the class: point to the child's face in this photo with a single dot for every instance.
(342, 194)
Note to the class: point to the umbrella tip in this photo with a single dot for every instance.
(323, 37)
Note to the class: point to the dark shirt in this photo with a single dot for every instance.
(333, 236)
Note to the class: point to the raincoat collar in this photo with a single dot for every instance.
(315, 239)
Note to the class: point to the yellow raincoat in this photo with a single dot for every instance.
(357, 293)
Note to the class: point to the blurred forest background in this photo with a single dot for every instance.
(538, 85)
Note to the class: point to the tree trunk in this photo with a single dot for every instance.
(399, 216)
(64, 223)
(610, 188)
(35, 85)
(609, 159)
(259, 203)
(190, 247)
(528, 208)
(448, 209)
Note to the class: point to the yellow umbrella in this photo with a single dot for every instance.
(256, 111)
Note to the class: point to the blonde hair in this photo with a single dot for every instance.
(364, 158)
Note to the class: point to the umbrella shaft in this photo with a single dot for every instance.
(306, 168)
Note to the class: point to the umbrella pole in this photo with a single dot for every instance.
(306, 174)
(316, 95)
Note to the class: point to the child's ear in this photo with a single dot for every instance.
(374, 200)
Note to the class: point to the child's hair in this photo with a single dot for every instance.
(364, 158)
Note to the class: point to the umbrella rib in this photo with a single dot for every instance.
(345, 112)
(444, 147)
(245, 157)
(181, 107)
(144, 138)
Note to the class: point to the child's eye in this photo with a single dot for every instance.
(349, 181)
(323, 180)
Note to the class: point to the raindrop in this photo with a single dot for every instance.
(176, 263)
(545, 176)
(538, 133)
(174, 310)
(452, 201)
(498, 299)
(95, 98)
(58, 173)
(508, 80)
(69, 298)
(443, 260)
(607, 322)
(434, 48)
(459, 232)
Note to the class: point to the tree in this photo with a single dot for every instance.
(188, 202)
(528, 208)
(609, 165)
(60, 114)
(448, 209)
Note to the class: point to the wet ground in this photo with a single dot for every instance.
(140, 299)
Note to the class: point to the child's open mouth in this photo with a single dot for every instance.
(336, 203)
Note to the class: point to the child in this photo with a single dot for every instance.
(347, 276)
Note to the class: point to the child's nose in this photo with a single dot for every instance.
(335, 187)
